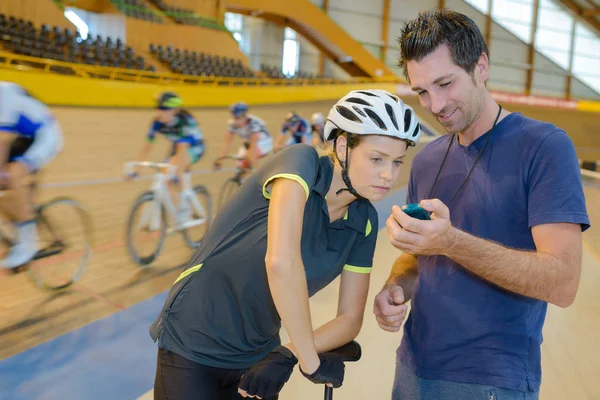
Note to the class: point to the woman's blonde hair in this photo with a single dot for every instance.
(327, 148)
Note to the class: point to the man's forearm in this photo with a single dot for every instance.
(528, 273)
(404, 274)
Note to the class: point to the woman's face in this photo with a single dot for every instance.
(166, 116)
(374, 164)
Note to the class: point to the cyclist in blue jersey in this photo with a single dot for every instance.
(179, 127)
(298, 128)
(30, 137)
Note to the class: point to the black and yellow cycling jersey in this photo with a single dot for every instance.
(220, 311)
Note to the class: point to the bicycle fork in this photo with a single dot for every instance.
(151, 214)
(188, 195)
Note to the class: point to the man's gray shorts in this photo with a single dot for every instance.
(408, 386)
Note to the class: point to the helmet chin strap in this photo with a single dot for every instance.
(345, 165)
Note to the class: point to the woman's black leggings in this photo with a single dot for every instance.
(178, 378)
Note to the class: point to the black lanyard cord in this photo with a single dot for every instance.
(487, 139)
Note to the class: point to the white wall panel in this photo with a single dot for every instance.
(548, 84)
(363, 28)
(371, 8)
(580, 90)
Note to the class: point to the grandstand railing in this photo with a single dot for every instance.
(27, 63)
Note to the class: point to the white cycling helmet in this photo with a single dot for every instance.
(373, 112)
(318, 119)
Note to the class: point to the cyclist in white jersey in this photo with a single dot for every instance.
(30, 137)
(253, 131)
(318, 126)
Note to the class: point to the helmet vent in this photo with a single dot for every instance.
(407, 119)
(375, 118)
(367, 93)
(393, 97)
(359, 111)
(356, 100)
(391, 114)
(348, 114)
(417, 128)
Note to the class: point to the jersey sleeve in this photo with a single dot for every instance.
(305, 128)
(284, 128)
(555, 190)
(190, 132)
(152, 131)
(299, 163)
(36, 121)
(231, 127)
(360, 259)
(255, 126)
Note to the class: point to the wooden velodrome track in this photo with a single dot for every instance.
(99, 141)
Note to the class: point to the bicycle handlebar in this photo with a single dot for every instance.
(235, 158)
(150, 164)
(350, 352)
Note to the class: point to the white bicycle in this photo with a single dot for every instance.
(154, 214)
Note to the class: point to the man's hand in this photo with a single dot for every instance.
(389, 308)
(419, 237)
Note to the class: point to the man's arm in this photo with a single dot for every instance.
(551, 273)
(404, 274)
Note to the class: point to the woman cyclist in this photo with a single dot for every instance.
(179, 127)
(297, 223)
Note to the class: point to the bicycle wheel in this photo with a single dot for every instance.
(229, 188)
(145, 236)
(65, 238)
(194, 235)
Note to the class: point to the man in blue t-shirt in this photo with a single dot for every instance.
(505, 236)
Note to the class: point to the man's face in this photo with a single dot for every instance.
(454, 96)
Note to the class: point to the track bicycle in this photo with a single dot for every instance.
(154, 214)
(64, 230)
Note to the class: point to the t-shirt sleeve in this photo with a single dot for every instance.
(360, 259)
(555, 191)
(299, 163)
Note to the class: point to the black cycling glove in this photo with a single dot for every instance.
(267, 377)
(331, 370)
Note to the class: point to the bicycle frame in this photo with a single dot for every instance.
(162, 196)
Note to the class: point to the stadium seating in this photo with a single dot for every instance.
(137, 9)
(21, 37)
(199, 64)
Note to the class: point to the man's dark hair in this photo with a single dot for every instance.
(431, 29)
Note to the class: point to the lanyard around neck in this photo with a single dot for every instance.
(489, 135)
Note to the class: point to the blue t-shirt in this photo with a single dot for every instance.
(462, 328)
